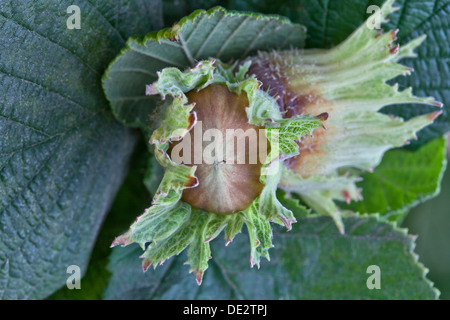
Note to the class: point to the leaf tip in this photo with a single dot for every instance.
(146, 264)
(150, 90)
(198, 277)
(121, 240)
(287, 222)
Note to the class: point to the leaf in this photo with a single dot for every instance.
(402, 180)
(260, 234)
(330, 22)
(327, 265)
(270, 207)
(153, 175)
(62, 155)
(174, 10)
(289, 131)
(131, 200)
(132, 18)
(432, 66)
(215, 33)
(292, 203)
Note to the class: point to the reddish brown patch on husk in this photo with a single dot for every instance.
(272, 83)
(434, 115)
(346, 196)
(310, 148)
(395, 49)
(323, 116)
(296, 99)
(292, 101)
(301, 103)
(146, 264)
(394, 34)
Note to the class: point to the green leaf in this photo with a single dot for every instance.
(153, 174)
(215, 33)
(402, 180)
(62, 154)
(158, 222)
(131, 18)
(330, 22)
(174, 10)
(432, 65)
(430, 221)
(260, 234)
(326, 265)
(292, 203)
(131, 200)
(172, 81)
(288, 132)
(270, 207)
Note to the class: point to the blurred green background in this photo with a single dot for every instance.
(430, 221)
